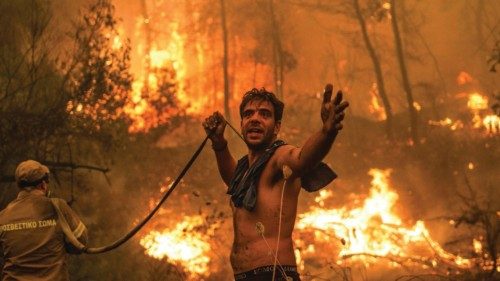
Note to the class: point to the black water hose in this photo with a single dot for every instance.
(132, 232)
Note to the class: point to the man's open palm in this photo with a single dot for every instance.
(332, 112)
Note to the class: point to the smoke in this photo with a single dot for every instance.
(321, 45)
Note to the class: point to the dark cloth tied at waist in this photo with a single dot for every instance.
(243, 186)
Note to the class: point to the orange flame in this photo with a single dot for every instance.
(375, 108)
(477, 102)
(492, 124)
(369, 230)
(182, 245)
(145, 90)
(373, 230)
(478, 106)
(464, 78)
(417, 106)
(447, 122)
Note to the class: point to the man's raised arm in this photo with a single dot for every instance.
(214, 126)
(318, 144)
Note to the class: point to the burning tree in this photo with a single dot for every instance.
(379, 88)
(494, 59)
(34, 95)
(481, 216)
(99, 80)
(158, 90)
(59, 102)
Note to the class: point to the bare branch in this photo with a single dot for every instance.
(74, 166)
(423, 277)
(7, 179)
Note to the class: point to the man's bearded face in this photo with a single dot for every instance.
(258, 126)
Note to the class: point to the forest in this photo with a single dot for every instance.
(111, 95)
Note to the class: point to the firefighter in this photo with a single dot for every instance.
(32, 237)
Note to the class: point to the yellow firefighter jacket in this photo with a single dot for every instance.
(32, 242)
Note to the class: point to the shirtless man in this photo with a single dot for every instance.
(264, 185)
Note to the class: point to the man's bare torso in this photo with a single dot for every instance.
(251, 249)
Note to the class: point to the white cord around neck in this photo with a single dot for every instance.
(286, 173)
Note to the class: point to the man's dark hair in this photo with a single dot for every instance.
(263, 95)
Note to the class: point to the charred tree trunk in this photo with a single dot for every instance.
(404, 75)
(147, 46)
(227, 113)
(277, 52)
(377, 68)
(479, 14)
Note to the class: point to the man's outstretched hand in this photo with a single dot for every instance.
(332, 112)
